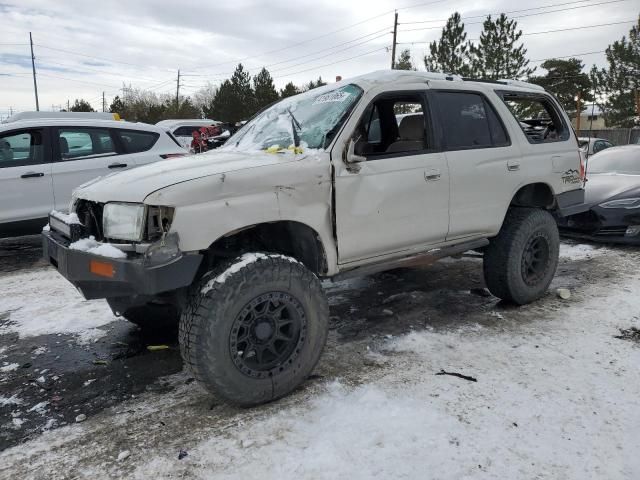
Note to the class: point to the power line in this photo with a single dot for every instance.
(546, 31)
(75, 80)
(521, 16)
(333, 63)
(304, 42)
(498, 13)
(567, 56)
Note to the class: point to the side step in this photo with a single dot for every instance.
(421, 259)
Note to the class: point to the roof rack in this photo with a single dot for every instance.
(505, 81)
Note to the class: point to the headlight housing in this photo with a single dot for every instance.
(622, 203)
(123, 221)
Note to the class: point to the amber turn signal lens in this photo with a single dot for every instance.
(102, 269)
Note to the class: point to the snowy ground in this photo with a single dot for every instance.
(556, 394)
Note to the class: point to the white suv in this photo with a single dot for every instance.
(392, 169)
(43, 159)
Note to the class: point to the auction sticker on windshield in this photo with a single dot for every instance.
(339, 96)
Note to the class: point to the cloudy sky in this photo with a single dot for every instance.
(83, 48)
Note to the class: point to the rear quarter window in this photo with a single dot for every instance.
(538, 116)
(136, 141)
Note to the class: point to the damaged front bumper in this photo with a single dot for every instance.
(96, 276)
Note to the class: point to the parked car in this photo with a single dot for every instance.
(613, 196)
(183, 129)
(43, 160)
(233, 243)
(593, 145)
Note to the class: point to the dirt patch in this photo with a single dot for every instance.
(632, 334)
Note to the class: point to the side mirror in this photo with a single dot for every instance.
(352, 157)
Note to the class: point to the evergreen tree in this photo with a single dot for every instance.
(404, 62)
(318, 83)
(497, 56)
(619, 84)
(451, 53)
(289, 90)
(564, 78)
(265, 90)
(222, 108)
(117, 106)
(242, 95)
(81, 106)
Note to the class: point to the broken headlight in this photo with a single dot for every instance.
(123, 221)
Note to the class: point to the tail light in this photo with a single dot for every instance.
(172, 155)
(582, 157)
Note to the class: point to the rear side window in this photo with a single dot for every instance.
(136, 141)
(21, 148)
(469, 121)
(537, 116)
(185, 131)
(77, 143)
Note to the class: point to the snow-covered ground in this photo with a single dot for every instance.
(556, 395)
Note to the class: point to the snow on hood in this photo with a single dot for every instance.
(136, 184)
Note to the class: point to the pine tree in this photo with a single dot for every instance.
(242, 94)
(81, 106)
(264, 89)
(117, 106)
(222, 106)
(451, 53)
(497, 56)
(619, 84)
(318, 83)
(404, 61)
(289, 90)
(564, 78)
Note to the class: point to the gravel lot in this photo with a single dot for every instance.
(555, 396)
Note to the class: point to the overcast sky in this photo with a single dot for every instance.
(83, 48)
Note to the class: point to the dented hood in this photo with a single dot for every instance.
(136, 184)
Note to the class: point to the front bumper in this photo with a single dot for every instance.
(102, 277)
(608, 225)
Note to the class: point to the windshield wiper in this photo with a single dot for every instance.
(295, 126)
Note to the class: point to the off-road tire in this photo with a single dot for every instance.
(150, 316)
(209, 322)
(507, 258)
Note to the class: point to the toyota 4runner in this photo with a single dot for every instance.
(385, 170)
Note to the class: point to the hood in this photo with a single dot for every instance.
(604, 186)
(136, 184)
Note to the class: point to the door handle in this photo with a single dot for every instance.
(118, 165)
(32, 175)
(513, 166)
(432, 175)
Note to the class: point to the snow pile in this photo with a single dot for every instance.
(68, 218)
(12, 400)
(90, 245)
(9, 367)
(49, 305)
(580, 251)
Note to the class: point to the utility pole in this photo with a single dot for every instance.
(33, 66)
(104, 105)
(68, 106)
(395, 34)
(578, 114)
(177, 90)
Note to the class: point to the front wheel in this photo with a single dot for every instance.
(254, 328)
(521, 261)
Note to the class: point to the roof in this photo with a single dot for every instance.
(77, 122)
(42, 115)
(186, 121)
(410, 76)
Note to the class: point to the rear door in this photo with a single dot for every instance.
(26, 191)
(138, 146)
(82, 154)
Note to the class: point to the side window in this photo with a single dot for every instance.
(469, 121)
(136, 141)
(21, 148)
(185, 131)
(77, 143)
(538, 117)
(394, 125)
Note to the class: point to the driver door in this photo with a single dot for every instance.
(397, 199)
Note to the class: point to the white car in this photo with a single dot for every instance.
(183, 128)
(43, 159)
(593, 145)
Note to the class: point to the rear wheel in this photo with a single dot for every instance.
(521, 261)
(254, 328)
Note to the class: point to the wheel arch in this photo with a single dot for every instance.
(287, 237)
(537, 195)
